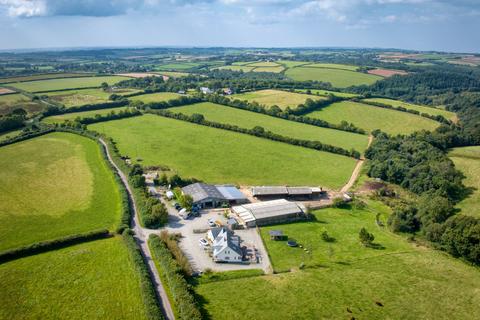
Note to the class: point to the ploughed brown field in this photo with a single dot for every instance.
(387, 72)
(5, 91)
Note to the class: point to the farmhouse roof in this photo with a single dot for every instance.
(226, 239)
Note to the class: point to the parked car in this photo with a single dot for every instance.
(211, 223)
(177, 206)
(203, 242)
(184, 213)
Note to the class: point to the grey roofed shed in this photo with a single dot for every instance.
(299, 190)
(202, 191)
(266, 190)
(268, 212)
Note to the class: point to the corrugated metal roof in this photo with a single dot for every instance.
(201, 191)
(266, 209)
(299, 190)
(269, 190)
(230, 192)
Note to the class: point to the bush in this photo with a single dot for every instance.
(365, 237)
(171, 272)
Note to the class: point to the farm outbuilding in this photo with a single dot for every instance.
(211, 196)
(278, 192)
(269, 212)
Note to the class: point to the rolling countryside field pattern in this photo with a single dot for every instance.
(239, 183)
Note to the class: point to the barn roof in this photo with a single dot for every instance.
(201, 191)
(263, 210)
(230, 192)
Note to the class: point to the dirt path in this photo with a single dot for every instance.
(356, 171)
(141, 236)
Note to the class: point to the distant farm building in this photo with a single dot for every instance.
(211, 196)
(269, 212)
(277, 192)
(205, 90)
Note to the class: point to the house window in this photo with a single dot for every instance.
(227, 258)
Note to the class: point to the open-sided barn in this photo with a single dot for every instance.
(210, 196)
(269, 212)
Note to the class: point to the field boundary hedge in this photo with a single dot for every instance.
(40, 74)
(57, 110)
(26, 136)
(170, 270)
(149, 296)
(44, 246)
(258, 132)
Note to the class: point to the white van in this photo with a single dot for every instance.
(184, 213)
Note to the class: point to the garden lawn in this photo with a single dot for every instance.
(283, 99)
(67, 83)
(10, 102)
(247, 119)
(73, 98)
(345, 280)
(93, 280)
(220, 156)
(339, 78)
(53, 186)
(371, 118)
(155, 97)
(467, 159)
(84, 114)
(422, 109)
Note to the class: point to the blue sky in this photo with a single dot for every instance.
(410, 24)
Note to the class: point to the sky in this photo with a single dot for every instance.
(441, 25)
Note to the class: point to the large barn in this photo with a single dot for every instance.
(269, 212)
(211, 196)
(281, 192)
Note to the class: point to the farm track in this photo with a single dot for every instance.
(141, 237)
(357, 170)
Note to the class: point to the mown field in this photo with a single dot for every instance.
(52, 186)
(220, 156)
(67, 83)
(332, 66)
(247, 119)
(155, 97)
(10, 102)
(84, 114)
(283, 99)
(371, 118)
(329, 92)
(467, 159)
(422, 109)
(94, 280)
(345, 280)
(339, 78)
(73, 98)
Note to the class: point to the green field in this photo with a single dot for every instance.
(292, 64)
(52, 186)
(236, 68)
(283, 99)
(263, 64)
(43, 76)
(220, 156)
(9, 134)
(73, 98)
(10, 102)
(94, 280)
(371, 118)
(332, 66)
(422, 109)
(329, 92)
(155, 97)
(247, 119)
(84, 114)
(339, 78)
(467, 159)
(67, 83)
(177, 66)
(173, 74)
(276, 69)
(344, 280)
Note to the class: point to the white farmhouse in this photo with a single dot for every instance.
(225, 246)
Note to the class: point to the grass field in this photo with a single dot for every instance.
(328, 92)
(220, 156)
(173, 74)
(236, 68)
(54, 185)
(263, 64)
(276, 69)
(467, 159)
(422, 109)
(72, 116)
(177, 66)
(9, 134)
(67, 83)
(80, 97)
(10, 102)
(292, 64)
(283, 99)
(155, 97)
(247, 119)
(344, 280)
(371, 118)
(43, 76)
(332, 66)
(94, 280)
(339, 78)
